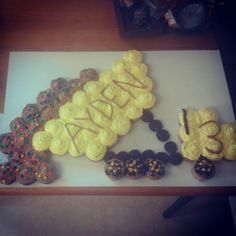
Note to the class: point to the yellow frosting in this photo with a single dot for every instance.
(55, 127)
(133, 111)
(147, 82)
(95, 150)
(213, 149)
(230, 150)
(229, 139)
(133, 56)
(146, 100)
(207, 114)
(209, 129)
(80, 98)
(229, 130)
(106, 77)
(68, 111)
(192, 118)
(139, 69)
(102, 120)
(191, 149)
(78, 147)
(111, 91)
(121, 125)
(206, 137)
(107, 137)
(59, 145)
(118, 66)
(82, 114)
(41, 140)
(93, 88)
(102, 111)
(182, 135)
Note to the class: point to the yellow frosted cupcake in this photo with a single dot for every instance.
(41, 140)
(59, 145)
(202, 135)
(95, 150)
(121, 125)
(100, 111)
(55, 127)
(107, 137)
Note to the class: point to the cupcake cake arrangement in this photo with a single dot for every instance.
(86, 116)
(100, 113)
(205, 141)
(25, 164)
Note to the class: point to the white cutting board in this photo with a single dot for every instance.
(181, 79)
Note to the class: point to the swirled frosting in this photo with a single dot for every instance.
(229, 137)
(80, 98)
(107, 137)
(95, 151)
(191, 149)
(78, 148)
(121, 125)
(146, 100)
(41, 140)
(59, 145)
(201, 134)
(107, 76)
(133, 56)
(55, 127)
(68, 111)
(101, 112)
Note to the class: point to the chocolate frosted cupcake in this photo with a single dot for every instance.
(203, 169)
(114, 169)
(7, 143)
(74, 85)
(29, 155)
(18, 124)
(60, 89)
(31, 111)
(59, 85)
(22, 140)
(38, 156)
(7, 173)
(25, 174)
(88, 75)
(45, 173)
(17, 158)
(154, 168)
(47, 113)
(44, 99)
(34, 124)
(135, 168)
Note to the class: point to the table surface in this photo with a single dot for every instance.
(85, 26)
(177, 75)
(75, 26)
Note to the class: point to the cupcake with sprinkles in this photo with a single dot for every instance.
(135, 168)
(114, 169)
(45, 173)
(155, 168)
(7, 143)
(203, 169)
(18, 124)
(26, 173)
(7, 173)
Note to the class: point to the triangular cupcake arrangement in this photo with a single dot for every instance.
(87, 115)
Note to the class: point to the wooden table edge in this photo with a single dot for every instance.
(138, 191)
